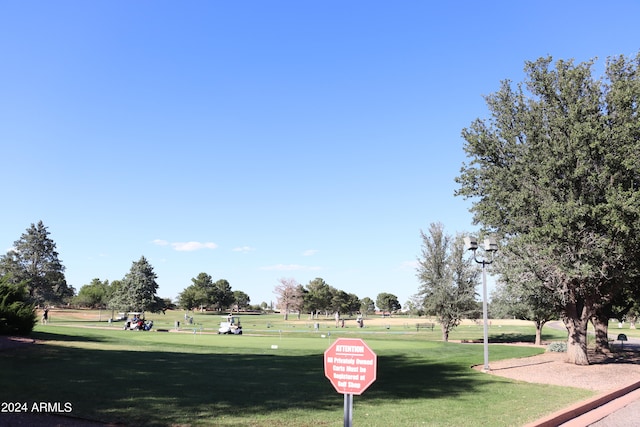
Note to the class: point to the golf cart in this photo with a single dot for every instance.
(230, 325)
(137, 322)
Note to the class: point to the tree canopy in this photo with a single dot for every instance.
(34, 261)
(367, 306)
(241, 300)
(448, 280)
(137, 291)
(557, 167)
(204, 292)
(318, 296)
(388, 302)
(520, 292)
(94, 295)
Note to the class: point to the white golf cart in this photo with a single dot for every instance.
(230, 325)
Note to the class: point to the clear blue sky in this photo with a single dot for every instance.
(257, 140)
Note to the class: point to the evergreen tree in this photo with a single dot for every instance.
(318, 297)
(34, 261)
(388, 302)
(222, 296)
(137, 291)
(17, 316)
(241, 300)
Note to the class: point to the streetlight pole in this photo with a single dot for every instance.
(490, 246)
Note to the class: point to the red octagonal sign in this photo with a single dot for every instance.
(350, 365)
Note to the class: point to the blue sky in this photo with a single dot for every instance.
(257, 140)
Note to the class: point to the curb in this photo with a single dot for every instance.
(581, 409)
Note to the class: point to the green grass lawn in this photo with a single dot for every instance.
(200, 378)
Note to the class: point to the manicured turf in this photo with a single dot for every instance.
(198, 378)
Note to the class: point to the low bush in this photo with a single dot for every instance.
(558, 347)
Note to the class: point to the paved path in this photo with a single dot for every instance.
(627, 416)
(621, 412)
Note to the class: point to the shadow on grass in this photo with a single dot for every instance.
(51, 336)
(165, 388)
(517, 337)
(406, 378)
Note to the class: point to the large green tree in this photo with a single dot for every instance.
(557, 165)
(34, 261)
(241, 300)
(204, 292)
(318, 297)
(367, 306)
(448, 278)
(222, 296)
(198, 294)
(137, 291)
(192, 297)
(388, 302)
(94, 295)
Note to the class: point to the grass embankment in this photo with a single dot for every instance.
(200, 378)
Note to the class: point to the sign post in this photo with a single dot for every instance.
(351, 367)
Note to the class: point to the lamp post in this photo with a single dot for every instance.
(490, 246)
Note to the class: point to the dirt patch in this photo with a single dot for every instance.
(609, 371)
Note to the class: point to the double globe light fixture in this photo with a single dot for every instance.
(490, 248)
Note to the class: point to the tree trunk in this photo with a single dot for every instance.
(445, 332)
(601, 326)
(539, 325)
(576, 319)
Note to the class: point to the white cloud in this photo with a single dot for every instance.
(192, 246)
(243, 249)
(310, 252)
(289, 267)
(186, 246)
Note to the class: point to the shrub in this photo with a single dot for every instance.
(558, 347)
(17, 317)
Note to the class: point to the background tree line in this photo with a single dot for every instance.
(319, 297)
(32, 270)
(204, 293)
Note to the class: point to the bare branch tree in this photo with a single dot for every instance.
(289, 296)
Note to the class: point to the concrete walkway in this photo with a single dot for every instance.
(625, 412)
(609, 408)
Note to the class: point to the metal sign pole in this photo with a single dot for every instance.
(348, 410)
(351, 367)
